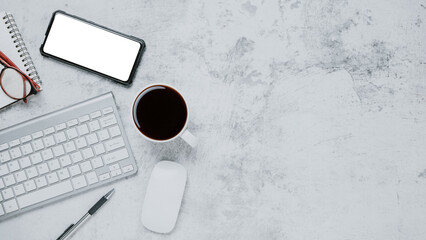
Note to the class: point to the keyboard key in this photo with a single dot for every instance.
(127, 168)
(65, 160)
(86, 166)
(60, 137)
(114, 167)
(3, 170)
(114, 131)
(54, 164)
(25, 162)
(60, 126)
(44, 194)
(104, 176)
(36, 135)
(94, 125)
(38, 144)
(107, 110)
(115, 156)
(3, 146)
(80, 142)
(19, 189)
(14, 143)
(1, 208)
(9, 180)
(69, 146)
(42, 168)
(26, 149)
(72, 133)
(74, 170)
(97, 162)
(31, 172)
(48, 131)
(26, 139)
(29, 185)
(92, 138)
(87, 153)
(1, 185)
(95, 114)
(10, 206)
(76, 157)
(58, 150)
(79, 182)
(114, 144)
(7, 193)
(13, 166)
(115, 173)
(41, 181)
(20, 176)
(84, 118)
(108, 121)
(47, 154)
(103, 135)
(72, 122)
(52, 178)
(36, 158)
(82, 129)
(99, 148)
(4, 156)
(49, 141)
(63, 174)
(15, 152)
(92, 178)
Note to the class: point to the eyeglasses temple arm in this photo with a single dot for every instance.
(5, 59)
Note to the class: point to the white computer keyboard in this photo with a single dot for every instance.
(62, 153)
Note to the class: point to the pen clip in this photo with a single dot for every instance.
(66, 230)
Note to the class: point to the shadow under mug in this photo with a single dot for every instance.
(183, 133)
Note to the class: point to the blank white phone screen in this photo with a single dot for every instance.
(84, 44)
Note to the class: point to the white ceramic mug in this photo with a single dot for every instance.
(184, 133)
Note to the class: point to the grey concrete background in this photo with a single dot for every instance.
(310, 114)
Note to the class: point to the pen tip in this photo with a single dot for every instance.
(108, 195)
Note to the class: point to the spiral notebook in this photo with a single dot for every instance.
(13, 46)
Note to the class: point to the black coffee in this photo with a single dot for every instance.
(160, 112)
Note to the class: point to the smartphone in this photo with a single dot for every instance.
(87, 45)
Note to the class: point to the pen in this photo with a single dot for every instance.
(73, 227)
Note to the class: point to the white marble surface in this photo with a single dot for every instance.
(311, 117)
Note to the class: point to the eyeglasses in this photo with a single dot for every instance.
(14, 82)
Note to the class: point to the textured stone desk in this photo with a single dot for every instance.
(311, 117)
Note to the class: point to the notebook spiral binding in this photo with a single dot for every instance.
(22, 49)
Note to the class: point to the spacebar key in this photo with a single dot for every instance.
(44, 194)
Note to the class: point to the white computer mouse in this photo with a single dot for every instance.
(163, 196)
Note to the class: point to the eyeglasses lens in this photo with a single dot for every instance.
(13, 83)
